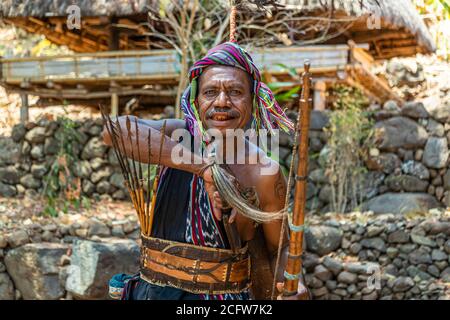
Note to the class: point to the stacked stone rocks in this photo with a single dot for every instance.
(73, 255)
(34, 148)
(408, 170)
(413, 152)
(353, 256)
(28, 154)
(383, 257)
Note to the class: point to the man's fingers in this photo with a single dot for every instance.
(280, 286)
(217, 213)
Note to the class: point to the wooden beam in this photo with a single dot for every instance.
(320, 95)
(114, 104)
(24, 110)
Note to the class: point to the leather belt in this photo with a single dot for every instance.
(196, 269)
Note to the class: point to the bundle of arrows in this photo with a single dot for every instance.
(141, 185)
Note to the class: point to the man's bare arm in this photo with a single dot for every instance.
(272, 197)
(144, 124)
(197, 164)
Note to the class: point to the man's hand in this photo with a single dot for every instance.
(214, 196)
(302, 292)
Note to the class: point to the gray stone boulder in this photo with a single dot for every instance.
(117, 180)
(35, 268)
(97, 228)
(51, 146)
(398, 236)
(323, 239)
(400, 132)
(17, 238)
(30, 182)
(437, 109)
(9, 175)
(88, 187)
(333, 265)
(416, 169)
(436, 153)
(403, 284)
(401, 203)
(420, 256)
(386, 162)
(347, 277)
(414, 109)
(97, 163)
(36, 135)
(447, 180)
(38, 170)
(18, 132)
(95, 148)
(374, 243)
(37, 151)
(6, 287)
(103, 187)
(112, 158)
(11, 151)
(82, 169)
(101, 174)
(319, 120)
(435, 128)
(370, 185)
(406, 183)
(7, 190)
(94, 263)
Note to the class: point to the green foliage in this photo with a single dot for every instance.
(350, 134)
(285, 91)
(62, 190)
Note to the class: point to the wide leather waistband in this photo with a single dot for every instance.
(193, 268)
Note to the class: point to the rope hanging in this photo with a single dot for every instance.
(233, 13)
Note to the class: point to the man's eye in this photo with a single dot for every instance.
(235, 92)
(209, 92)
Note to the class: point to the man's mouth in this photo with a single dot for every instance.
(222, 116)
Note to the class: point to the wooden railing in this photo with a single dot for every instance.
(158, 64)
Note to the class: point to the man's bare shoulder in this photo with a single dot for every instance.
(267, 171)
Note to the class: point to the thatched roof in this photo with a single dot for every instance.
(393, 13)
(402, 30)
(46, 8)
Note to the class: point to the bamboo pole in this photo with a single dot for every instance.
(296, 225)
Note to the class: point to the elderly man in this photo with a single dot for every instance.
(225, 93)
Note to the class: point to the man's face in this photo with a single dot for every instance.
(224, 98)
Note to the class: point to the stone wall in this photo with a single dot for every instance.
(31, 150)
(362, 256)
(352, 256)
(72, 256)
(407, 170)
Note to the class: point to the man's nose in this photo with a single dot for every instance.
(222, 99)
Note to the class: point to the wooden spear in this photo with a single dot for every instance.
(296, 223)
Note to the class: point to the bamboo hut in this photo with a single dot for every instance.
(122, 25)
(117, 55)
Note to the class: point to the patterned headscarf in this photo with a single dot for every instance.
(266, 113)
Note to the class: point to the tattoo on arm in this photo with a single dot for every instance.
(280, 188)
